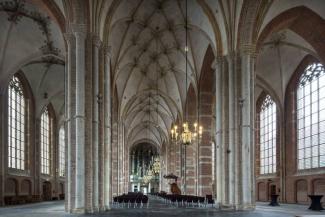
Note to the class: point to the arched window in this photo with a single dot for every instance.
(62, 152)
(16, 124)
(267, 136)
(45, 142)
(311, 117)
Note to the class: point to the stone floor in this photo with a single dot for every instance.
(158, 209)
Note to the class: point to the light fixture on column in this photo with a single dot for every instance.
(187, 136)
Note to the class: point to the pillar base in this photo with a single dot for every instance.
(92, 210)
(231, 207)
(245, 206)
(102, 209)
(78, 211)
(227, 207)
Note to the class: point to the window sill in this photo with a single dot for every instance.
(267, 176)
(47, 177)
(306, 172)
(17, 172)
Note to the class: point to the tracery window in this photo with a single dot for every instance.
(62, 152)
(16, 124)
(267, 117)
(45, 142)
(311, 117)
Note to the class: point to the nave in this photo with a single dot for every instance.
(220, 99)
(157, 208)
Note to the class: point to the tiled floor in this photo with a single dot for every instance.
(158, 209)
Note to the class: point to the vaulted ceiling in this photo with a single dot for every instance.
(147, 39)
(32, 43)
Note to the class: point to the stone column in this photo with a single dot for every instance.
(114, 155)
(247, 188)
(80, 121)
(107, 128)
(69, 110)
(2, 147)
(231, 152)
(101, 131)
(55, 156)
(217, 65)
(119, 158)
(95, 132)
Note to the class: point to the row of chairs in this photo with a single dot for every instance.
(186, 200)
(131, 201)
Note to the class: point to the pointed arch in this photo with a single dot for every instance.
(19, 107)
(301, 20)
(46, 133)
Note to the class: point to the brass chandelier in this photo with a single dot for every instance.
(156, 166)
(187, 136)
(153, 171)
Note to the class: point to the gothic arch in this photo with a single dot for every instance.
(11, 187)
(259, 103)
(290, 108)
(302, 21)
(205, 115)
(301, 191)
(26, 187)
(53, 10)
(29, 117)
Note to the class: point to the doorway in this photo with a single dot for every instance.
(47, 191)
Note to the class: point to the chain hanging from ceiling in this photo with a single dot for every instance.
(187, 136)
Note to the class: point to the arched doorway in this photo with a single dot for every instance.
(142, 175)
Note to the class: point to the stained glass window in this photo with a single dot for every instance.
(311, 117)
(268, 136)
(16, 125)
(45, 142)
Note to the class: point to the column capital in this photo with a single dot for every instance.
(217, 61)
(248, 49)
(96, 41)
(107, 51)
(79, 29)
(231, 55)
(69, 37)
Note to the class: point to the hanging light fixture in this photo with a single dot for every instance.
(156, 166)
(187, 136)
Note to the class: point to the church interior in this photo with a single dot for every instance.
(162, 107)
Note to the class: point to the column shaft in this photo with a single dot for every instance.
(95, 131)
(247, 131)
(107, 129)
(219, 145)
(232, 129)
(80, 121)
(69, 113)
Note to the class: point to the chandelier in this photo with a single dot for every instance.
(187, 136)
(147, 178)
(156, 166)
(153, 171)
